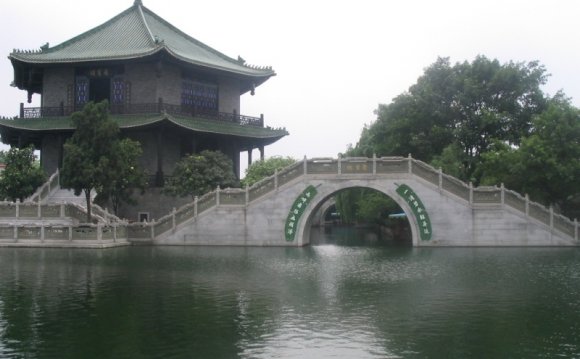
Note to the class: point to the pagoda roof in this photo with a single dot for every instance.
(265, 135)
(137, 33)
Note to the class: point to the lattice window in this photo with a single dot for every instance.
(118, 91)
(199, 95)
(187, 93)
(205, 96)
(81, 91)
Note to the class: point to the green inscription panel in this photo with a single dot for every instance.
(296, 212)
(418, 210)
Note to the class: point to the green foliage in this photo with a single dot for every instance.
(262, 169)
(95, 157)
(467, 106)
(21, 176)
(3, 155)
(201, 173)
(120, 184)
(364, 205)
(546, 165)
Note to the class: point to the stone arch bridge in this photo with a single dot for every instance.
(442, 211)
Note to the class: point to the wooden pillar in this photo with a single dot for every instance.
(261, 153)
(250, 156)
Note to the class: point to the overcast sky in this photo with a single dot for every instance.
(335, 60)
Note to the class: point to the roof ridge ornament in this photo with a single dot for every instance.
(138, 3)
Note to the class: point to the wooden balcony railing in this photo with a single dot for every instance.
(148, 108)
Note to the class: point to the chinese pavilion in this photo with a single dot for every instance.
(165, 89)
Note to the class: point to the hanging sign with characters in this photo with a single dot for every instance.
(418, 210)
(296, 212)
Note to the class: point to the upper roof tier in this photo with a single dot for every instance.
(137, 33)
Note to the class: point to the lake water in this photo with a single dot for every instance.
(349, 297)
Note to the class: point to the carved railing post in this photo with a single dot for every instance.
(42, 232)
(502, 195)
(247, 195)
(217, 196)
(410, 162)
(339, 165)
(195, 199)
(374, 163)
(305, 165)
(470, 192)
(440, 173)
(276, 179)
(527, 205)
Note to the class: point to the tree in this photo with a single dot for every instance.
(262, 169)
(468, 106)
(22, 174)
(546, 165)
(127, 178)
(200, 173)
(3, 155)
(365, 205)
(94, 157)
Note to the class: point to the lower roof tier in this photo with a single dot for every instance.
(13, 130)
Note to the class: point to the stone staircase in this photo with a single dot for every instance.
(62, 195)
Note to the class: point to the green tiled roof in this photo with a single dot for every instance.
(134, 121)
(135, 33)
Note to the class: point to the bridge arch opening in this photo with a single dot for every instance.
(358, 215)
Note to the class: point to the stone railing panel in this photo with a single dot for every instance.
(108, 233)
(163, 225)
(261, 188)
(28, 210)
(50, 211)
(121, 232)
(392, 165)
(138, 231)
(322, 166)
(84, 232)
(290, 173)
(426, 172)
(8, 209)
(455, 186)
(56, 232)
(487, 195)
(539, 212)
(29, 232)
(184, 213)
(356, 166)
(564, 225)
(233, 197)
(6, 232)
(206, 202)
(514, 200)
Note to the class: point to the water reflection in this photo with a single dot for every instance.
(355, 301)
